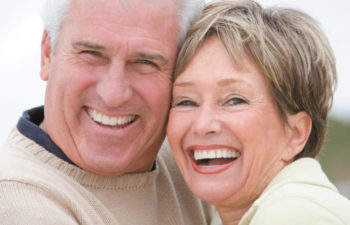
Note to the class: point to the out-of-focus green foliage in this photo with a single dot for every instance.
(335, 154)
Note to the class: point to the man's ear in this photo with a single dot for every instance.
(298, 131)
(45, 56)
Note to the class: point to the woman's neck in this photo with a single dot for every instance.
(231, 216)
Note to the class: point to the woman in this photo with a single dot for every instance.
(252, 91)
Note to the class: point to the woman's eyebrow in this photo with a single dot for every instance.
(183, 84)
(225, 82)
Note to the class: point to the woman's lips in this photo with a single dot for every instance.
(212, 159)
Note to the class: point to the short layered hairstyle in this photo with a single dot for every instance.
(288, 47)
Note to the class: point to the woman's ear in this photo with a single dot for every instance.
(298, 131)
(45, 56)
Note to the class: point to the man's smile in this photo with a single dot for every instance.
(111, 121)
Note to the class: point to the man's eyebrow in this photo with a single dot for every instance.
(84, 44)
(150, 56)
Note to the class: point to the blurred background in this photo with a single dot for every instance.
(21, 87)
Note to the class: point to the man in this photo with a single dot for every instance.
(92, 159)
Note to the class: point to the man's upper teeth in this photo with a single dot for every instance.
(215, 153)
(110, 121)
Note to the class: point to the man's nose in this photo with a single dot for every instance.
(114, 87)
(207, 122)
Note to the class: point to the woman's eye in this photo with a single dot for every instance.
(235, 101)
(185, 103)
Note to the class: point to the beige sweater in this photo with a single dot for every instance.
(38, 188)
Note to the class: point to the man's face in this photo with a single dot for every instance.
(109, 79)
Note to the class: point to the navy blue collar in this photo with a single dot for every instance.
(28, 125)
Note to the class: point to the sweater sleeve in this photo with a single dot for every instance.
(22, 204)
(294, 211)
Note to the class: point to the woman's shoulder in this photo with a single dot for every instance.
(303, 210)
(300, 194)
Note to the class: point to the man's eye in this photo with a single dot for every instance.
(145, 62)
(94, 53)
(93, 57)
(143, 66)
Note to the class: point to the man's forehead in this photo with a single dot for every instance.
(161, 14)
(143, 33)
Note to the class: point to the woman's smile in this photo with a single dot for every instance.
(212, 159)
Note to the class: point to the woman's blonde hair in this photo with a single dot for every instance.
(289, 48)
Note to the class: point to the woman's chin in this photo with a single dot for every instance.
(213, 182)
(213, 189)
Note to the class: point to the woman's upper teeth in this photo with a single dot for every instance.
(215, 154)
(110, 121)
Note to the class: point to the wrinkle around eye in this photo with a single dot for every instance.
(93, 57)
(94, 53)
(143, 66)
(184, 101)
(146, 62)
(235, 101)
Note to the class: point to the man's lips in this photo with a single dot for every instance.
(114, 121)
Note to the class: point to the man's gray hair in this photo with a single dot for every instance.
(55, 12)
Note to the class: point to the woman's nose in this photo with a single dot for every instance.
(206, 122)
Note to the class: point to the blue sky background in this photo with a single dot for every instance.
(20, 36)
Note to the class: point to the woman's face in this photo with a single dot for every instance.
(225, 128)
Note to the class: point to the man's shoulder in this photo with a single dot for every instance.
(165, 152)
(23, 161)
(18, 167)
(167, 164)
(172, 179)
(25, 188)
(37, 193)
